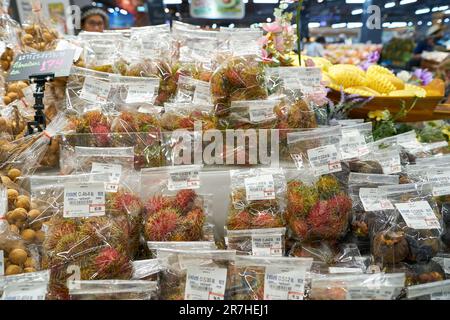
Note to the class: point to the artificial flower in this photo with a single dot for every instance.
(423, 76)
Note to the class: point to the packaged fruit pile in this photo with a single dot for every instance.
(177, 164)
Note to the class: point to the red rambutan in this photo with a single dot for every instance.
(127, 203)
(240, 220)
(156, 203)
(160, 226)
(101, 132)
(266, 220)
(184, 200)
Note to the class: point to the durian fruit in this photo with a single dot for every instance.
(380, 82)
(346, 76)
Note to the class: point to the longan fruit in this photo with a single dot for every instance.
(12, 194)
(47, 36)
(36, 226)
(28, 270)
(40, 236)
(33, 214)
(9, 217)
(13, 87)
(27, 38)
(28, 235)
(13, 95)
(18, 256)
(6, 100)
(14, 173)
(5, 180)
(20, 214)
(13, 269)
(20, 224)
(29, 263)
(22, 85)
(22, 202)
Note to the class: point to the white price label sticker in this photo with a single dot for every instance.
(84, 199)
(205, 283)
(284, 283)
(444, 296)
(260, 188)
(25, 291)
(324, 160)
(2, 263)
(183, 180)
(353, 144)
(369, 293)
(140, 92)
(418, 215)
(261, 113)
(202, 93)
(441, 182)
(95, 90)
(373, 200)
(301, 78)
(267, 246)
(113, 170)
(390, 163)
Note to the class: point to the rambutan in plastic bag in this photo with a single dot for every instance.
(147, 269)
(378, 286)
(16, 255)
(89, 230)
(113, 290)
(36, 34)
(269, 278)
(153, 40)
(366, 199)
(102, 51)
(190, 89)
(188, 116)
(173, 208)
(197, 274)
(257, 199)
(133, 93)
(318, 207)
(355, 140)
(380, 161)
(25, 286)
(257, 242)
(439, 290)
(410, 229)
(237, 78)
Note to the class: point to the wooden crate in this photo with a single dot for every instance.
(426, 109)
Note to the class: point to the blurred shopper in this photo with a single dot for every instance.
(434, 34)
(316, 48)
(94, 19)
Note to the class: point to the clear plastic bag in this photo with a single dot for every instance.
(90, 232)
(408, 230)
(439, 290)
(380, 161)
(257, 199)
(188, 116)
(366, 198)
(317, 149)
(238, 78)
(147, 269)
(37, 35)
(102, 51)
(379, 286)
(269, 278)
(113, 290)
(257, 242)
(9, 35)
(25, 286)
(133, 93)
(190, 89)
(355, 140)
(153, 40)
(318, 208)
(197, 275)
(16, 256)
(174, 211)
(252, 114)
(13, 121)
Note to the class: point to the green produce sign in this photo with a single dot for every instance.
(217, 9)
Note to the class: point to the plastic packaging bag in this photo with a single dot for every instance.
(257, 242)
(15, 256)
(13, 121)
(131, 93)
(174, 211)
(25, 286)
(154, 246)
(317, 149)
(147, 269)
(269, 278)
(238, 78)
(439, 290)
(408, 230)
(379, 286)
(37, 35)
(366, 198)
(197, 275)
(9, 36)
(113, 290)
(190, 89)
(317, 207)
(188, 116)
(89, 231)
(257, 199)
(355, 140)
(380, 161)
